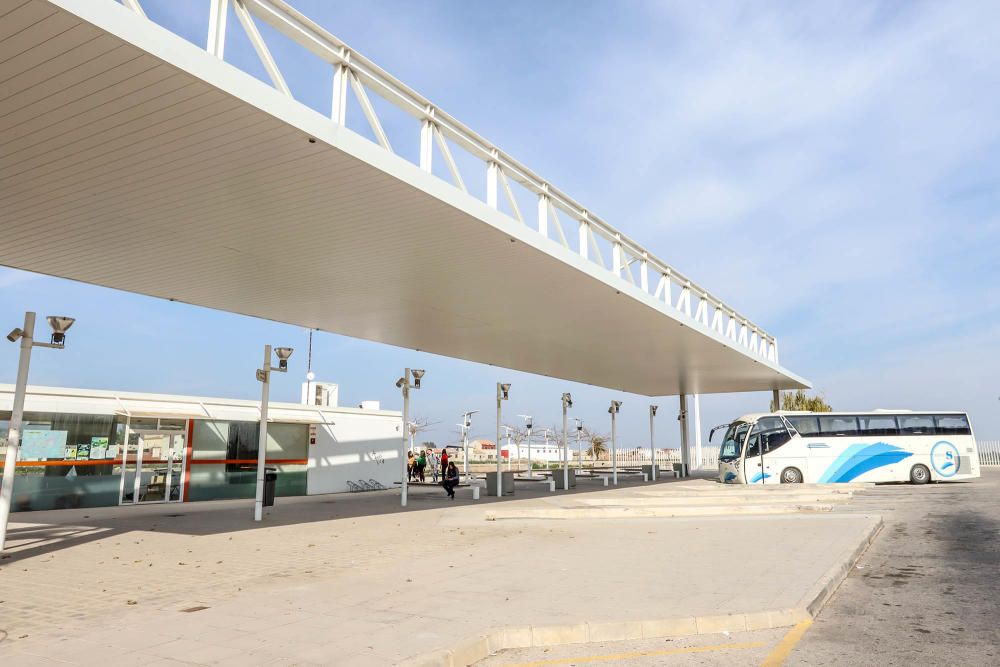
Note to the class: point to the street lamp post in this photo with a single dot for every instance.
(613, 410)
(531, 472)
(410, 380)
(264, 377)
(567, 403)
(503, 393)
(652, 445)
(27, 336)
(466, 425)
(579, 450)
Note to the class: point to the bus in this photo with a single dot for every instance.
(827, 447)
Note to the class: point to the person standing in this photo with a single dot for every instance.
(444, 463)
(421, 464)
(451, 480)
(433, 462)
(410, 462)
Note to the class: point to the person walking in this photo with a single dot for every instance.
(444, 463)
(410, 462)
(450, 480)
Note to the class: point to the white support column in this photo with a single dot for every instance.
(616, 256)
(218, 13)
(493, 181)
(644, 273)
(16, 419)
(698, 460)
(543, 212)
(338, 111)
(427, 141)
(584, 236)
(682, 421)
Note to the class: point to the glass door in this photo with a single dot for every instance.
(154, 467)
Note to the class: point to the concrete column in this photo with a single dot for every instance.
(683, 422)
(776, 399)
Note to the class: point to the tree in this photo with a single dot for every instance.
(797, 400)
(597, 444)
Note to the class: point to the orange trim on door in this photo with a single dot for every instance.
(188, 446)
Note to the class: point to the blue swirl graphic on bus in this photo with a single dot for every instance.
(758, 477)
(945, 458)
(730, 476)
(861, 458)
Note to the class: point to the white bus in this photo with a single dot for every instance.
(883, 446)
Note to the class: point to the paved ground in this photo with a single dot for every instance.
(349, 579)
(927, 592)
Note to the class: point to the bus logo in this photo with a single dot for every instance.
(944, 458)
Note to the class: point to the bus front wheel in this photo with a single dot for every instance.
(919, 474)
(791, 476)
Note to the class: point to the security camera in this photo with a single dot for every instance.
(615, 405)
(15, 334)
(400, 382)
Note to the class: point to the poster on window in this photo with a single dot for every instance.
(39, 445)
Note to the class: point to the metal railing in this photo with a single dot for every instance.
(628, 260)
(989, 452)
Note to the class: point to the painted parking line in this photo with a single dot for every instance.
(643, 654)
(784, 648)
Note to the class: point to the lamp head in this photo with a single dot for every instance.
(504, 391)
(615, 407)
(283, 353)
(60, 325)
(417, 374)
(567, 400)
(652, 409)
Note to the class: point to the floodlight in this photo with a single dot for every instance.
(417, 374)
(579, 424)
(615, 406)
(15, 334)
(283, 353)
(652, 410)
(567, 400)
(310, 376)
(505, 391)
(60, 325)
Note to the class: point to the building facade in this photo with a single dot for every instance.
(92, 448)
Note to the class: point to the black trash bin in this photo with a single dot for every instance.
(270, 481)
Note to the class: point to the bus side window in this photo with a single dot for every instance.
(916, 425)
(874, 425)
(806, 426)
(952, 425)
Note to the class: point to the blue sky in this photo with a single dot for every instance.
(831, 169)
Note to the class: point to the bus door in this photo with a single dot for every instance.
(767, 435)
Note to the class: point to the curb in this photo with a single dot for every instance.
(480, 647)
(813, 601)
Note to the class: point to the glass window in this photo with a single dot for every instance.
(733, 442)
(952, 425)
(878, 425)
(839, 425)
(769, 433)
(916, 425)
(806, 426)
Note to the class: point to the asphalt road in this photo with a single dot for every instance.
(927, 592)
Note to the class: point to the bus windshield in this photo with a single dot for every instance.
(732, 444)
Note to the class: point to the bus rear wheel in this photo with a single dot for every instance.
(791, 476)
(919, 474)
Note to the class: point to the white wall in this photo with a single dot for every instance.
(355, 446)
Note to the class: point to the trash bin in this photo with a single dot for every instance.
(270, 481)
(507, 478)
(557, 477)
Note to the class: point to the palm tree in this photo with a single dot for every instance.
(597, 446)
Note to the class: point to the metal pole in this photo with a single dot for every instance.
(682, 421)
(614, 452)
(404, 488)
(531, 472)
(16, 417)
(579, 450)
(499, 472)
(652, 446)
(565, 444)
(465, 447)
(258, 506)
